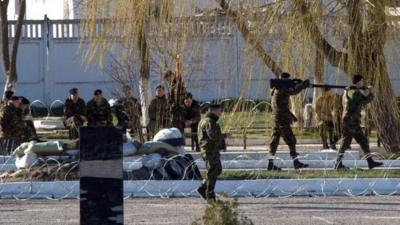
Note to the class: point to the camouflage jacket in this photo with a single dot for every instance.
(158, 111)
(192, 112)
(11, 122)
(74, 109)
(127, 109)
(210, 136)
(324, 108)
(97, 113)
(280, 102)
(353, 101)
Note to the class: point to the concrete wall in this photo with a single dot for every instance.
(49, 66)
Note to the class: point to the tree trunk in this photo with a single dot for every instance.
(318, 79)
(365, 55)
(144, 80)
(10, 65)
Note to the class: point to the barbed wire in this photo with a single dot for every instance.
(184, 173)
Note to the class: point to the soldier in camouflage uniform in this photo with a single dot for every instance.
(128, 112)
(74, 113)
(355, 97)
(99, 111)
(211, 142)
(282, 119)
(177, 92)
(158, 111)
(324, 109)
(13, 129)
(192, 116)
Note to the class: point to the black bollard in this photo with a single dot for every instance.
(101, 181)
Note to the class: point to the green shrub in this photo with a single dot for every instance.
(222, 213)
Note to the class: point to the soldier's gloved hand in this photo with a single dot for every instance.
(306, 83)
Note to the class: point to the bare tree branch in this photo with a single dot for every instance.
(251, 39)
(335, 57)
(14, 50)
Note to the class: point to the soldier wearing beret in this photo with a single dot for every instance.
(74, 113)
(99, 111)
(211, 141)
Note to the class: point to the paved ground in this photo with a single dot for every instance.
(374, 210)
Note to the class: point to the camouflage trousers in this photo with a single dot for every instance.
(326, 132)
(353, 130)
(73, 124)
(214, 169)
(29, 133)
(286, 132)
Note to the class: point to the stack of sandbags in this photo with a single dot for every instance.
(164, 158)
(27, 153)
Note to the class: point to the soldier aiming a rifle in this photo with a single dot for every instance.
(282, 118)
(355, 97)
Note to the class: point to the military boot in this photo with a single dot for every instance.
(272, 167)
(211, 197)
(372, 164)
(339, 166)
(299, 165)
(202, 192)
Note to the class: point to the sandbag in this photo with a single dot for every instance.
(152, 146)
(151, 161)
(26, 161)
(49, 124)
(20, 150)
(170, 136)
(128, 148)
(48, 148)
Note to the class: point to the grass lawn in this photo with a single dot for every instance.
(308, 174)
(256, 124)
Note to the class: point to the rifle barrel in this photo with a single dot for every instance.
(328, 86)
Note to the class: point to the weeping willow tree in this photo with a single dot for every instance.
(125, 27)
(351, 36)
(298, 36)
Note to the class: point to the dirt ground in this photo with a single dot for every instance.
(382, 210)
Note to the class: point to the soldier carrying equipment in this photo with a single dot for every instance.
(282, 118)
(291, 83)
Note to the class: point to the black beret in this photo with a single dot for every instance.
(285, 75)
(98, 91)
(8, 94)
(24, 100)
(73, 91)
(357, 78)
(14, 98)
(160, 86)
(188, 95)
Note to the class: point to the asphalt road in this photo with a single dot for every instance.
(379, 210)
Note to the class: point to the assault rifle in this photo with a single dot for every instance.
(291, 83)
